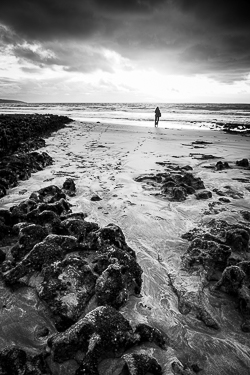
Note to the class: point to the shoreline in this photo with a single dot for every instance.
(104, 160)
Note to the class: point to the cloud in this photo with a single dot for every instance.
(185, 36)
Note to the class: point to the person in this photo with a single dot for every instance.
(157, 115)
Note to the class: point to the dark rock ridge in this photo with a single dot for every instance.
(82, 274)
(20, 136)
(102, 332)
(176, 183)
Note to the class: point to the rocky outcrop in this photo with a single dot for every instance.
(175, 184)
(19, 138)
(102, 332)
(83, 274)
(218, 251)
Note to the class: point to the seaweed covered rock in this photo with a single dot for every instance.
(179, 193)
(29, 236)
(102, 332)
(69, 187)
(19, 212)
(78, 227)
(237, 239)
(15, 361)
(220, 165)
(49, 194)
(61, 208)
(210, 255)
(51, 221)
(137, 364)
(231, 280)
(66, 288)
(107, 236)
(131, 270)
(111, 288)
(52, 249)
(243, 163)
(175, 184)
(205, 194)
(5, 223)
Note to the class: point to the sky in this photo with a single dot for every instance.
(125, 50)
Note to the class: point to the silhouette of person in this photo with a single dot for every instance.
(157, 116)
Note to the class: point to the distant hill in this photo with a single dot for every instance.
(10, 101)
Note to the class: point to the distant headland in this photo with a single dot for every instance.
(10, 101)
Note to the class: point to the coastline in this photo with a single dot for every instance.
(104, 160)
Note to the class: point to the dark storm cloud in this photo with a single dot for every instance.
(43, 19)
(188, 36)
(229, 14)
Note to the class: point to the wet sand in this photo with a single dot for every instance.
(104, 160)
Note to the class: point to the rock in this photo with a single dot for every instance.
(5, 230)
(2, 255)
(77, 215)
(131, 270)
(168, 186)
(9, 176)
(15, 361)
(243, 163)
(5, 217)
(95, 198)
(61, 208)
(147, 333)
(245, 215)
(179, 194)
(43, 254)
(78, 227)
(111, 287)
(220, 165)
(3, 191)
(179, 369)
(141, 364)
(244, 306)
(67, 288)
(49, 194)
(205, 194)
(237, 239)
(51, 221)
(69, 187)
(231, 280)
(29, 236)
(245, 266)
(144, 177)
(107, 236)
(208, 254)
(103, 331)
(224, 200)
(176, 184)
(20, 211)
(192, 181)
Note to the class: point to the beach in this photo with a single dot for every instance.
(115, 169)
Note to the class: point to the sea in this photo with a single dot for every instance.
(142, 114)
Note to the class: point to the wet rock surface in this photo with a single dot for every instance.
(20, 136)
(219, 253)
